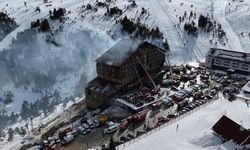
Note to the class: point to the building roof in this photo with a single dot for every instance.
(230, 130)
(229, 54)
(122, 50)
(102, 86)
(246, 87)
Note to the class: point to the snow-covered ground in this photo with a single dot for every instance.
(194, 132)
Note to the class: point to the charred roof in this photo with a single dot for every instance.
(122, 50)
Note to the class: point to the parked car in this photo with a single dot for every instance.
(86, 127)
(90, 123)
(62, 133)
(163, 119)
(156, 105)
(96, 123)
(167, 82)
(167, 101)
(111, 129)
(81, 130)
(170, 116)
(67, 139)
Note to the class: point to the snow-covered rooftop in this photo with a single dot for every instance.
(246, 87)
(229, 54)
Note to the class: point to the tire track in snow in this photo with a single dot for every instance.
(173, 32)
(220, 14)
(166, 25)
(195, 49)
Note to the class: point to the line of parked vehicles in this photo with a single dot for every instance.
(68, 134)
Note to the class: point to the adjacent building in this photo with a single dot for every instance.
(228, 130)
(122, 65)
(221, 59)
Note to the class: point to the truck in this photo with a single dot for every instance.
(103, 119)
(124, 125)
(139, 117)
(62, 133)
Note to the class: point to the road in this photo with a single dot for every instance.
(95, 139)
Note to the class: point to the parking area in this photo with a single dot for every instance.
(183, 88)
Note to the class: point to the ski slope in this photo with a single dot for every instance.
(220, 14)
(168, 27)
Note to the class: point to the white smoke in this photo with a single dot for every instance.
(30, 55)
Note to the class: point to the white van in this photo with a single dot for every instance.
(68, 138)
(111, 129)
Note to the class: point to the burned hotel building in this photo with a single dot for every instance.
(122, 65)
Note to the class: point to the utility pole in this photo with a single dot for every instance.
(212, 8)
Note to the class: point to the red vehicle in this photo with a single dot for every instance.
(140, 116)
(124, 125)
(158, 124)
(62, 133)
(163, 119)
(55, 147)
(209, 97)
(177, 98)
(155, 91)
(198, 95)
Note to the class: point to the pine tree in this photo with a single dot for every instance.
(45, 26)
(10, 134)
(202, 22)
(25, 110)
(12, 117)
(17, 130)
(8, 97)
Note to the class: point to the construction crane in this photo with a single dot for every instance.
(150, 78)
(138, 76)
(169, 64)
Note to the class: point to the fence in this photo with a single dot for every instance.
(130, 142)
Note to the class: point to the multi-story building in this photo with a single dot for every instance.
(222, 59)
(121, 65)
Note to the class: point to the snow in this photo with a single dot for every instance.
(194, 130)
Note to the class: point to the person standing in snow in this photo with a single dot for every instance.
(177, 127)
(247, 103)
